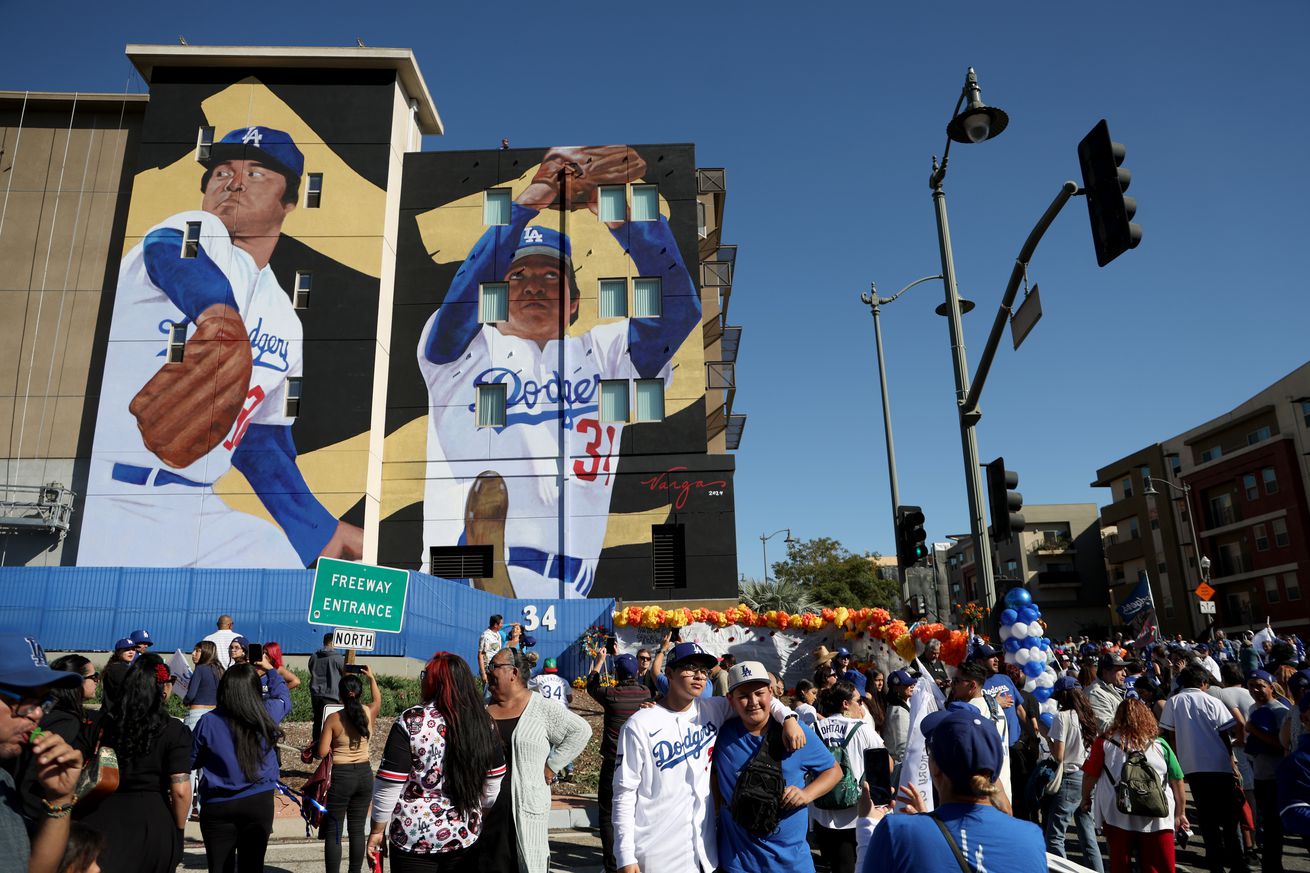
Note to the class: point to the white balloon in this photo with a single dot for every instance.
(1030, 686)
(1006, 632)
(1050, 706)
(1010, 658)
(1022, 656)
(1046, 680)
(1019, 629)
(1036, 654)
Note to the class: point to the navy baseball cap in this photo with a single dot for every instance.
(273, 148)
(538, 240)
(124, 643)
(140, 636)
(625, 666)
(693, 654)
(843, 652)
(242, 641)
(1065, 683)
(1262, 675)
(963, 743)
(23, 664)
(901, 678)
(983, 651)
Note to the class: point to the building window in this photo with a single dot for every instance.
(1146, 478)
(702, 231)
(292, 406)
(491, 405)
(304, 284)
(1270, 479)
(1249, 486)
(647, 298)
(613, 298)
(1155, 524)
(1258, 436)
(495, 208)
(1175, 463)
(191, 240)
(314, 191)
(650, 400)
(668, 556)
(1127, 485)
(176, 342)
(645, 203)
(462, 562)
(1211, 453)
(1261, 538)
(614, 400)
(1280, 532)
(1271, 589)
(613, 203)
(1291, 587)
(204, 142)
(1161, 570)
(1221, 510)
(1305, 419)
(493, 302)
(1133, 531)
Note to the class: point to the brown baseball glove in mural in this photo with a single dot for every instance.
(587, 168)
(189, 406)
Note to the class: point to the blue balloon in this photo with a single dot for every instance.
(1046, 644)
(1037, 611)
(1027, 615)
(1032, 643)
(1018, 597)
(1013, 645)
(1042, 694)
(1032, 669)
(1008, 616)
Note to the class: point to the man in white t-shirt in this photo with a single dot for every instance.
(664, 817)
(842, 727)
(1198, 726)
(489, 644)
(222, 640)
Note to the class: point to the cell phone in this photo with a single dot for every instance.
(612, 645)
(255, 653)
(676, 635)
(878, 773)
(354, 668)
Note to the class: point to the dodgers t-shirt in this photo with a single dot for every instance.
(998, 684)
(989, 839)
(740, 851)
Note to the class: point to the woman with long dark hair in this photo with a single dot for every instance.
(143, 819)
(442, 769)
(235, 750)
(69, 718)
(875, 697)
(346, 736)
(202, 691)
(1073, 731)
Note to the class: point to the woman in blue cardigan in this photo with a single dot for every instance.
(235, 749)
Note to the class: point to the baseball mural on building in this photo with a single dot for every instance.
(526, 410)
(204, 366)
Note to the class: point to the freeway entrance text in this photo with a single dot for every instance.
(361, 596)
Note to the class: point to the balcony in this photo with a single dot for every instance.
(1058, 545)
(720, 375)
(1057, 578)
(736, 425)
(1125, 550)
(731, 341)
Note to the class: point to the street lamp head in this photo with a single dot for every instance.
(978, 122)
(966, 306)
(1205, 565)
(1149, 491)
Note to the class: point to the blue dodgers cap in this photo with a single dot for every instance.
(273, 148)
(625, 666)
(983, 651)
(1065, 683)
(843, 652)
(691, 653)
(124, 643)
(140, 636)
(23, 664)
(538, 240)
(901, 678)
(1262, 675)
(963, 743)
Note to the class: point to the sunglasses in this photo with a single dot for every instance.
(94, 677)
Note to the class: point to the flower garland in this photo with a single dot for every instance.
(873, 622)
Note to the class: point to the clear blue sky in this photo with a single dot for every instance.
(826, 125)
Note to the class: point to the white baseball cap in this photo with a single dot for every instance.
(747, 672)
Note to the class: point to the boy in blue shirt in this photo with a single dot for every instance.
(809, 772)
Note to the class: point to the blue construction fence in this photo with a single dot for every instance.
(88, 608)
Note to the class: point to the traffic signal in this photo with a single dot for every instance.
(1004, 500)
(1104, 184)
(918, 607)
(910, 536)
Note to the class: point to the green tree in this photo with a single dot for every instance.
(785, 594)
(835, 576)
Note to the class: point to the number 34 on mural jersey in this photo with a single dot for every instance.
(596, 462)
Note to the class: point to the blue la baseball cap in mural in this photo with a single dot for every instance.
(963, 743)
(139, 637)
(537, 240)
(23, 665)
(691, 655)
(271, 147)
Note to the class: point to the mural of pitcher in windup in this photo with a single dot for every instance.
(502, 485)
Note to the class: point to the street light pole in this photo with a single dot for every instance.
(764, 546)
(1202, 562)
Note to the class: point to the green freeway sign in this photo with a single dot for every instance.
(361, 596)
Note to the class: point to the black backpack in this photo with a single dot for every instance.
(757, 799)
(1138, 791)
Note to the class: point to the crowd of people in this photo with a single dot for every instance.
(704, 767)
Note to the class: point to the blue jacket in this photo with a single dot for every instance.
(1294, 788)
(214, 753)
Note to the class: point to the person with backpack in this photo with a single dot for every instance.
(1073, 731)
(1139, 791)
(846, 736)
(763, 787)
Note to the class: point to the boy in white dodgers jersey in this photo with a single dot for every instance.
(663, 809)
(510, 475)
(140, 511)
